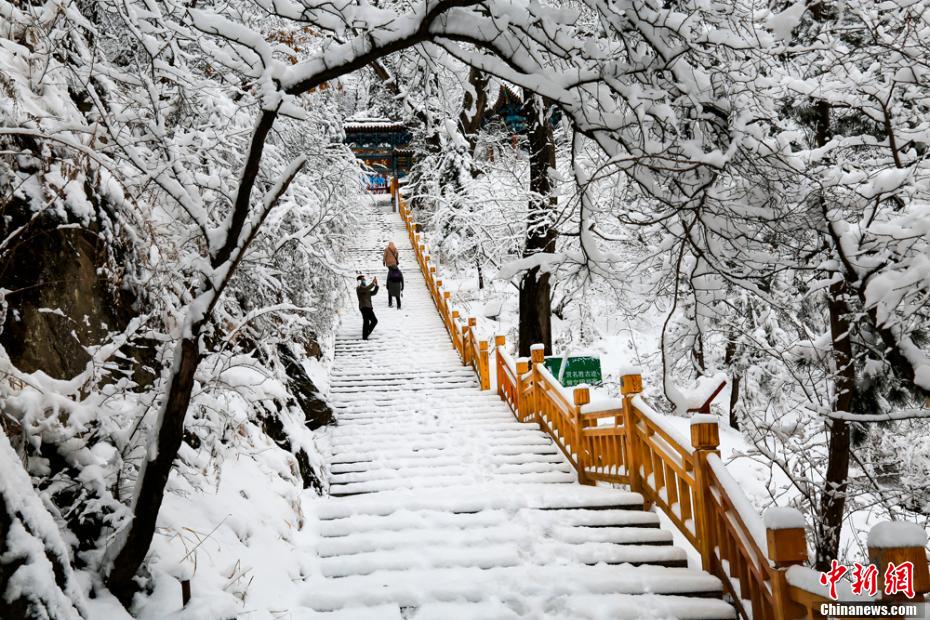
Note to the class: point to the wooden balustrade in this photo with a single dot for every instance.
(603, 454)
(662, 466)
(555, 412)
(625, 441)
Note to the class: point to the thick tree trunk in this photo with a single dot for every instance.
(836, 479)
(121, 580)
(535, 312)
(535, 293)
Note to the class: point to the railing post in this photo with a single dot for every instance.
(483, 375)
(537, 357)
(473, 355)
(581, 396)
(465, 357)
(630, 386)
(455, 332)
(896, 543)
(787, 546)
(446, 302)
(499, 342)
(705, 439)
(523, 367)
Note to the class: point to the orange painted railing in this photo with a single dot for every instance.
(760, 560)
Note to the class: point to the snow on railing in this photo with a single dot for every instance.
(759, 558)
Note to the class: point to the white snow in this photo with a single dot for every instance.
(783, 23)
(33, 537)
(704, 418)
(896, 535)
(783, 518)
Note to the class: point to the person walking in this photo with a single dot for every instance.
(395, 284)
(391, 256)
(365, 292)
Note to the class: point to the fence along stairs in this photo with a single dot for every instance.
(761, 560)
(444, 505)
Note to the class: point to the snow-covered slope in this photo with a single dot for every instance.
(444, 506)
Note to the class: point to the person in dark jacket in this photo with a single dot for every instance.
(365, 292)
(395, 284)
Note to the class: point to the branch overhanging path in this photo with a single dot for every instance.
(443, 505)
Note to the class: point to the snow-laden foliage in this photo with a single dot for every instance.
(121, 124)
(35, 571)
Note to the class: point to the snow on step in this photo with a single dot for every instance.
(443, 506)
(578, 607)
(436, 470)
(460, 451)
(445, 482)
(481, 497)
(416, 587)
(472, 532)
(424, 520)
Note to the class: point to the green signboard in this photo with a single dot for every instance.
(582, 369)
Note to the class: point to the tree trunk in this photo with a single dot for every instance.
(535, 293)
(480, 275)
(735, 380)
(535, 312)
(474, 106)
(836, 479)
(121, 580)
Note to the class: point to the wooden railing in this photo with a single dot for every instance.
(759, 559)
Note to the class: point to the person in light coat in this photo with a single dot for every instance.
(391, 256)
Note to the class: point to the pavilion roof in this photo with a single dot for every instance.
(369, 125)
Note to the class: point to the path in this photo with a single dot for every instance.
(443, 506)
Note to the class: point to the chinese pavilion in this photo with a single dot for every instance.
(382, 145)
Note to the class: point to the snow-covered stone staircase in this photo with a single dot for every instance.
(444, 506)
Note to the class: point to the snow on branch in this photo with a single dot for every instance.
(893, 416)
(255, 63)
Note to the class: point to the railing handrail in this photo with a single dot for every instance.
(746, 517)
(687, 479)
(654, 420)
